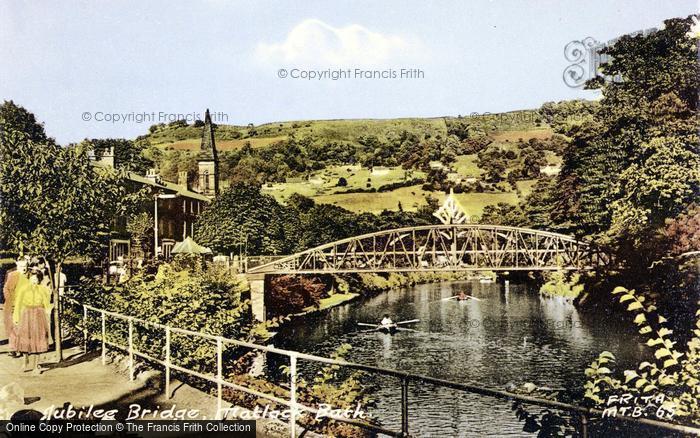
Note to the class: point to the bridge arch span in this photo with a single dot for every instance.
(455, 247)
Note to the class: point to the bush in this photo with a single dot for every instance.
(292, 293)
(204, 301)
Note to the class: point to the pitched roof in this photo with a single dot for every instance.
(167, 185)
(189, 246)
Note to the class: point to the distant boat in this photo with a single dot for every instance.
(461, 298)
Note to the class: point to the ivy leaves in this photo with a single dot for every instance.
(673, 373)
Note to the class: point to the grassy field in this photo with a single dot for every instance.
(525, 135)
(325, 182)
(231, 137)
(525, 186)
(411, 198)
(351, 129)
(466, 166)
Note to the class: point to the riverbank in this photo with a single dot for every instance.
(335, 299)
(351, 287)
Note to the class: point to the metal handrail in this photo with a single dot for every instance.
(294, 356)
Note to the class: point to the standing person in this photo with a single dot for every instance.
(12, 280)
(31, 331)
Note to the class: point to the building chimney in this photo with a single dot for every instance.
(182, 179)
(152, 175)
(107, 157)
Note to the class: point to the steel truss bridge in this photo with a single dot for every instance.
(458, 247)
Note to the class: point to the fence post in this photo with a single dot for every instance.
(219, 367)
(293, 394)
(584, 426)
(104, 335)
(167, 361)
(131, 348)
(404, 406)
(85, 332)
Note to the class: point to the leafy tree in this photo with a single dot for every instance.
(55, 202)
(659, 185)
(566, 116)
(242, 217)
(674, 372)
(139, 227)
(179, 294)
(531, 161)
(292, 293)
(683, 232)
(537, 206)
(15, 118)
(326, 223)
(300, 203)
(562, 284)
(503, 214)
(436, 180)
(644, 128)
(171, 163)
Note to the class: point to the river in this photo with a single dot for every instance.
(505, 338)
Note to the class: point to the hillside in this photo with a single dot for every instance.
(187, 137)
(372, 164)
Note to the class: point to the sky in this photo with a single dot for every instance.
(99, 69)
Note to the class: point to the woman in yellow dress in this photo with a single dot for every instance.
(12, 279)
(31, 330)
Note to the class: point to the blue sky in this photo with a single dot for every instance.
(62, 59)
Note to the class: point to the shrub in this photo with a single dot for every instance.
(293, 293)
(559, 284)
(178, 295)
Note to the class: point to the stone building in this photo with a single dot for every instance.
(173, 205)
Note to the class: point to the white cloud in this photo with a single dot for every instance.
(315, 43)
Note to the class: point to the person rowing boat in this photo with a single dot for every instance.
(461, 297)
(387, 325)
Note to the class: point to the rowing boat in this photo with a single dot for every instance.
(390, 329)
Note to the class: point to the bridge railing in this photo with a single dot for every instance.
(449, 247)
(404, 379)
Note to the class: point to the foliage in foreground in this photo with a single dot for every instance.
(667, 388)
(181, 295)
(338, 387)
(674, 372)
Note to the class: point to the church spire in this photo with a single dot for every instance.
(208, 144)
(209, 160)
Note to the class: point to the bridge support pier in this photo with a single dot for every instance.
(257, 296)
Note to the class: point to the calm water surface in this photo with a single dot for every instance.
(507, 337)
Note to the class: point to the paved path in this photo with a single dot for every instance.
(82, 380)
